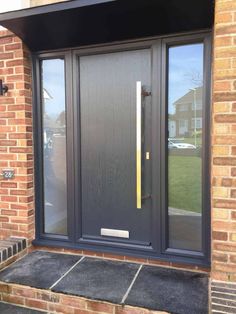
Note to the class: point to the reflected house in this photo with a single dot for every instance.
(188, 109)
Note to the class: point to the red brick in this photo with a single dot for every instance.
(7, 143)
(227, 268)
(5, 288)
(48, 296)
(8, 212)
(8, 198)
(3, 191)
(73, 301)
(7, 55)
(229, 29)
(233, 259)
(10, 226)
(224, 247)
(233, 215)
(23, 150)
(4, 219)
(7, 100)
(6, 40)
(218, 235)
(100, 307)
(220, 203)
(225, 118)
(14, 78)
(219, 257)
(233, 193)
(36, 304)
(128, 310)
(13, 299)
(226, 182)
(8, 184)
(13, 47)
(6, 71)
(23, 291)
(58, 308)
(224, 161)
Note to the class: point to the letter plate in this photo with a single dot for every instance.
(115, 233)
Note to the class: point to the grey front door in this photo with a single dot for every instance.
(115, 115)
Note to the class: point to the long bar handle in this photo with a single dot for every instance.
(138, 144)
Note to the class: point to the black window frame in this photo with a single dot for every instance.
(206, 111)
(160, 47)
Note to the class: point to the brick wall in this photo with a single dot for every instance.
(17, 208)
(224, 143)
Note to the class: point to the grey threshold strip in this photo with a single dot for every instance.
(131, 285)
(66, 273)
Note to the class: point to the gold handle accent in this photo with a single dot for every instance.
(138, 144)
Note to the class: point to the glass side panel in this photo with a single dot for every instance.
(185, 84)
(54, 144)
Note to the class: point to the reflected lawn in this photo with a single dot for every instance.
(185, 183)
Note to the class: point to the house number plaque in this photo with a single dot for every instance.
(8, 173)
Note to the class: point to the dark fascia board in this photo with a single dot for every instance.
(49, 8)
(80, 23)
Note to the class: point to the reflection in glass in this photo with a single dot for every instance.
(54, 140)
(184, 146)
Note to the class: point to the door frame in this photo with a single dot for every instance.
(155, 54)
(158, 46)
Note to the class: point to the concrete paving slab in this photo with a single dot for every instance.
(98, 279)
(39, 269)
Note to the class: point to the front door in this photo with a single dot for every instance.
(115, 112)
(117, 176)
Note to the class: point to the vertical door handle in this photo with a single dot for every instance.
(138, 144)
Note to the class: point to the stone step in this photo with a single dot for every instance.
(75, 284)
(52, 302)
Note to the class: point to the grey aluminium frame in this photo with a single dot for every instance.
(38, 138)
(160, 250)
(166, 43)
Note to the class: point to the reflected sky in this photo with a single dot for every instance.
(185, 70)
(53, 82)
(181, 76)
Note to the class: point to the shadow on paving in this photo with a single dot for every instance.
(13, 309)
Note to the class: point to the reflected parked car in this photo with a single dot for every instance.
(180, 145)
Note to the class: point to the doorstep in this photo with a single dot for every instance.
(116, 283)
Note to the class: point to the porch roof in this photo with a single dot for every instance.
(86, 22)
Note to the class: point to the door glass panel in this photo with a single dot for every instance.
(54, 146)
(185, 84)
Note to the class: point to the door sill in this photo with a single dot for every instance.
(148, 256)
(101, 240)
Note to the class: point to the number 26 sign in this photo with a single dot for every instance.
(8, 173)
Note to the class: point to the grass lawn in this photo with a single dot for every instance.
(185, 182)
